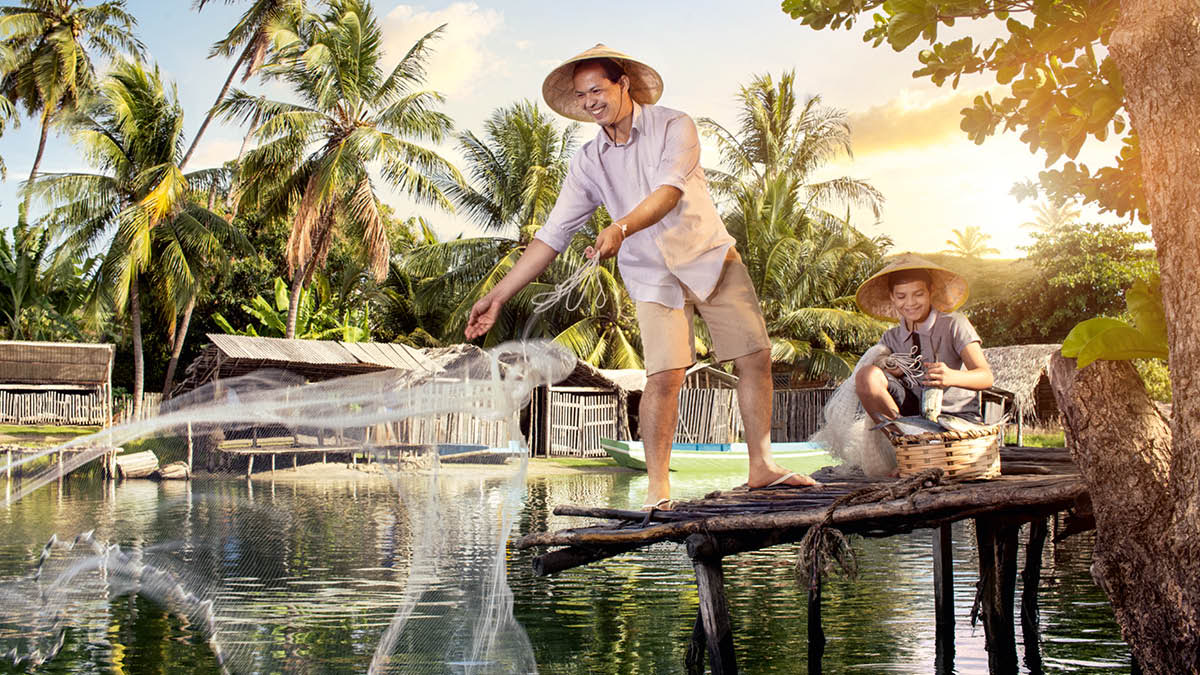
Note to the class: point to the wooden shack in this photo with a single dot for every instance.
(56, 383)
(568, 418)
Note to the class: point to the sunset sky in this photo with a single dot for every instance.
(906, 136)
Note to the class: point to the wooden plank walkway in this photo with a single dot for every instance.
(1035, 485)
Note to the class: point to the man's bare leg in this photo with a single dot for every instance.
(870, 384)
(754, 390)
(658, 414)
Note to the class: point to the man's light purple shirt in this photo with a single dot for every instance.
(687, 246)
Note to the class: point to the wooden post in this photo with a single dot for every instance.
(694, 659)
(273, 462)
(943, 599)
(295, 467)
(816, 634)
(710, 582)
(997, 542)
(189, 433)
(8, 466)
(1030, 577)
(250, 467)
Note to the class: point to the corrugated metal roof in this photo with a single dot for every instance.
(55, 362)
(321, 352)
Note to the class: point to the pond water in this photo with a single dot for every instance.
(319, 576)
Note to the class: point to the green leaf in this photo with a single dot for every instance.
(1110, 340)
(1144, 302)
(1085, 331)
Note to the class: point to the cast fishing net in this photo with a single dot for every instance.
(413, 575)
(846, 429)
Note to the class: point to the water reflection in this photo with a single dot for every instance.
(309, 575)
(633, 614)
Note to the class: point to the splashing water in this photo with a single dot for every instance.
(452, 613)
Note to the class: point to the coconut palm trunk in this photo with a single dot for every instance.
(177, 347)
(139, 364)
(294, 300)
(213, 110)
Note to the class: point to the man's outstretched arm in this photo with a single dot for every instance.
(536, 258)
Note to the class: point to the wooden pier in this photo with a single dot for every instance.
(1036, 485)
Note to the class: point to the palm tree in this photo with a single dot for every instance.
(49, 69)
(970, 242)
(805, 271)
(132, 132)
(314, 157)
(804, 261)
(779, 136)
(252, 36)
(41, 285)
(1049, 216)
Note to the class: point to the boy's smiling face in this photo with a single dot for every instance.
(912, 301)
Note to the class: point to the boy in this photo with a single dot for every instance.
(922, 296)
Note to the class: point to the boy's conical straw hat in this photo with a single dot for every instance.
(875, 298)
(645, 84)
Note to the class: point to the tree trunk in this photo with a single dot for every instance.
(1155, 48)
(294, 301)
(177, 348)
(23, 214)
(1122, 446)
(211, 111)
(139, 369)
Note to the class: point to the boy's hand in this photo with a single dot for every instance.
(483, 316)
(937, 375)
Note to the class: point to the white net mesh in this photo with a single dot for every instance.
(846, 430)
(436, 465)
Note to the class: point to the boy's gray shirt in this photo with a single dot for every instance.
(943, 338)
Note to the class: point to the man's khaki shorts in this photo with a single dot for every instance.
(732, 314)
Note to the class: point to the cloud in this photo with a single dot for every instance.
(908, 121)
(460, 57)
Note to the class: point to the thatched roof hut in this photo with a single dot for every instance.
(1024, 371)
(231, 355)
(55, 382)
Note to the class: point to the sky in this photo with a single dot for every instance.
(905, 134)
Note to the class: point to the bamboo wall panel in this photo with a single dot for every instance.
(578, 420)
(796, 414)
(54, 407)
(708, 416)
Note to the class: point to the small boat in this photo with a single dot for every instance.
(712, 458)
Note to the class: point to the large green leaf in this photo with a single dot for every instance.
(1111, 340)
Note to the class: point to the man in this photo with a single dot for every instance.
(672, 248)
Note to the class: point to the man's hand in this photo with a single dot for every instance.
(608, 242)
(483, 316)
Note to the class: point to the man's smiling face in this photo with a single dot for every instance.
(600, 97)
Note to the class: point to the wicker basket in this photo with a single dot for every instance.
(963, 455)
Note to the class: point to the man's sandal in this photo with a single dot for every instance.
(664, 504)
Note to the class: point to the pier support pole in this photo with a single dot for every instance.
(1030, 577)
(714, 610)
(189, 440)
(997, 542)
(943, 599)
(816, 633)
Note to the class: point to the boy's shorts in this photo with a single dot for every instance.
(732, 314)
(907, 400)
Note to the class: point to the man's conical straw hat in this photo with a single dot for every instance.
(645, 84)
(875, 298)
